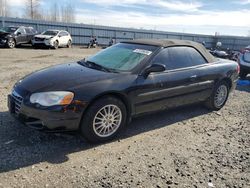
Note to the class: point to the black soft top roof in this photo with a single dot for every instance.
(174, 42)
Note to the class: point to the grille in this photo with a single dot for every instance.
(39, 39)
(18, 101)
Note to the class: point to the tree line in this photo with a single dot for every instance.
(33, 10)
(4, 8)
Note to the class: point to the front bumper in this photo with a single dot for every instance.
(58, 118)
(45, 43)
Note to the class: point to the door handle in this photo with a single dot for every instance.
(192, 78)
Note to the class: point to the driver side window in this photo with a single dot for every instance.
(21, 30)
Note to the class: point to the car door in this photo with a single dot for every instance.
(178, 85)
(20, 36)
(66, 37)
(29, 35)
(63, 38)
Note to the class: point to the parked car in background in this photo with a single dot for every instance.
(244, 61)
(99, 95)
(12, 36)
(53, 39)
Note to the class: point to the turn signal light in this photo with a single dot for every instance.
(67, 99)
(238, 69)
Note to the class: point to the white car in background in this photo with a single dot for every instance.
(53, 39)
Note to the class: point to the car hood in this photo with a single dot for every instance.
(3, 33)
(44, 36)
(61, 77)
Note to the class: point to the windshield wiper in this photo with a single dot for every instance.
(94, 65)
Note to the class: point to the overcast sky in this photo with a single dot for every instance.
(228, 17)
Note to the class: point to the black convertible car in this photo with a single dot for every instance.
(12, 36)
(99, 95)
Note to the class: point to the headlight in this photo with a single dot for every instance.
(52, 98)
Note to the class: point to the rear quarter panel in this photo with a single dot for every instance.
(219, 70)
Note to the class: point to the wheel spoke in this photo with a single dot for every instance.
(112, 111)
(117, 116)
(109, 129)
(105, 111)
(98, 127)
(113, 125)
(97, 118)
(109, 110)
(103, 129)
(98, 123)
(102, 114)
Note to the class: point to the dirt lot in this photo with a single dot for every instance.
(186, 147)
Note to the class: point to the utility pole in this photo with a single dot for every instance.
(4, 8)
(31, 9)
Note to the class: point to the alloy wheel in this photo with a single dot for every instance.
(69, 44)
(107, 121)
(221, 95)
(56, 44)
(11, 43)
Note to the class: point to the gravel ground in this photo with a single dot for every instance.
(177, 148)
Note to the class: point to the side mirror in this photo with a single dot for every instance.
(154, 68)
(19, 33)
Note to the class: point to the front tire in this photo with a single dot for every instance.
(56, 45)
(219, 96)
(104, 119)
(11, 43)
(69, 44)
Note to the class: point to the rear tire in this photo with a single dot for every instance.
(104, 119)
(11, 43)
(219, 96)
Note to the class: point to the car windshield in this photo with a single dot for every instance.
(50, 33)
(8, 29)
(122, 56)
